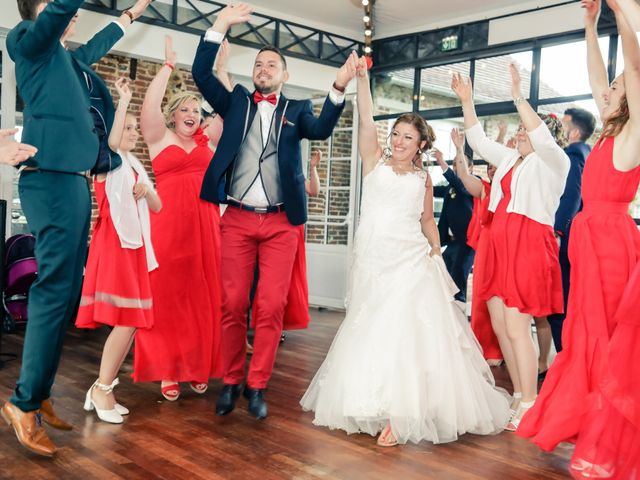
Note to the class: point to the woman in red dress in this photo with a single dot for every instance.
(591, 395)
(116, 289)
(521, 271)
(184, 343)
(477, 238)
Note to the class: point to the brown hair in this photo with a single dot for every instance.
(271, 48)
(27, 8)
(618, 119)
(555, 127)
(424, 130)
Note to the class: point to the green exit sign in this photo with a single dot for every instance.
(449, 43)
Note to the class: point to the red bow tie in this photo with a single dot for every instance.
(258, 97)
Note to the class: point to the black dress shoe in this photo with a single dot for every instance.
(257, 405)
(227, 400)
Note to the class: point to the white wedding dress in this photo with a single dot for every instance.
(405, 353)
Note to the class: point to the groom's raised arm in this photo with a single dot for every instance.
(211, 88)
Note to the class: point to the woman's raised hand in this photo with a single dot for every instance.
(361, 68)
(592, 10)
(316, 156)
(457, 137)
(462, 87)
(170, 56)
(516, 81)
(122, 87)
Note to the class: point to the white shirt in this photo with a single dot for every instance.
(537, 184)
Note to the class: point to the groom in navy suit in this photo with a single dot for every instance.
(578, 126)
(257, 172)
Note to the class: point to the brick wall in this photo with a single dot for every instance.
(112, 67)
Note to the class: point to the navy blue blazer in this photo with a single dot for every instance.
(57, 117)
(456, 209)
(294, 121)
(571, 200)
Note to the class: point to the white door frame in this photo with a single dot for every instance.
(328, 265)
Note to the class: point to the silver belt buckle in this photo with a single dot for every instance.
(260, 209)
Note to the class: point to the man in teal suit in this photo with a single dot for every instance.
(68, 112)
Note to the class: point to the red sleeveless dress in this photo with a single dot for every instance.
(521, 265)
(116, 289)
(477, 238)
(184, 343)
(591, 395)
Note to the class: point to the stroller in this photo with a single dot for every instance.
(21, 271)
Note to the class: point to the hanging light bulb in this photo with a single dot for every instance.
(366, 19)
(365, 3)
(367, 32)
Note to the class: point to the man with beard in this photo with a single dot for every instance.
(257, 171)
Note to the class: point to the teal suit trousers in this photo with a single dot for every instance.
(58, 211)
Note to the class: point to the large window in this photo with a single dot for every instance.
(554, 78)
(435, 85)
(492, 80)
(563, 69)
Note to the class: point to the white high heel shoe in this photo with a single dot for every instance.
(110, 416)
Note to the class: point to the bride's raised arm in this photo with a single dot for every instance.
(368, 146)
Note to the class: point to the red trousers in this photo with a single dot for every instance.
(246, 236)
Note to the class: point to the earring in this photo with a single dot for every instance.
(386, 152)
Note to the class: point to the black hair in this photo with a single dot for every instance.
(583, 120)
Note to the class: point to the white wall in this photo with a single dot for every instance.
(550, 21)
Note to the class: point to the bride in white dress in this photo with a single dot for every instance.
(404, 362)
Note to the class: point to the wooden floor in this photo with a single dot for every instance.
(186, 440)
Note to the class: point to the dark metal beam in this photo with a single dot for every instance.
(331, 49)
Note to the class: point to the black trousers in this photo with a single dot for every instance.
(557, 319)
(458, 257)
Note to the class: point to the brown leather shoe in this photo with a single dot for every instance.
(49, 416)
(29, 430)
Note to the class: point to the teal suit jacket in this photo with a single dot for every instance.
(57, 118)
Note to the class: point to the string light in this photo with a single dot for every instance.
(368, 30)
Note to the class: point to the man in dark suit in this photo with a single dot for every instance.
(578, 126)
(455, 216)
(68, 112)
(257, 171)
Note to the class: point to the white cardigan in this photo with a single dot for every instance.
(537, 184)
